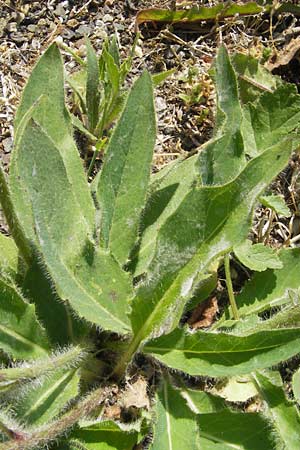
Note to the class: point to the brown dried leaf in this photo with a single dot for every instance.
(204, 314)
(283, 57)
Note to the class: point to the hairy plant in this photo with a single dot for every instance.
(96, 281)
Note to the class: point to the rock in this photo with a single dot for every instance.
(60, 11)
(107, 18)
(11, 27)
(72, 23)
(7, 144)
(160, 104)
(31, 28)
(84, 29)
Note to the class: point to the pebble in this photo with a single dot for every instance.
(84, 29)
(11, 27)
(160, 103)
(7, 144)
(72, 23)
(31, 28)
(107, 18)
(60, 11)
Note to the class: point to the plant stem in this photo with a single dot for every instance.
(230, 288)
(67, 49)
(69, 358)
(99, 146)
(38, 438)
(14, 225)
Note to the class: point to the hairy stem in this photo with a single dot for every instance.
(68, 358)
(31, 439)
(230, 288)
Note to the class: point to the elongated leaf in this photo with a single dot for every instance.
(176, 426)
(208, 222)
(41, 402)
(112, 72)
(276, 203)
(228, 430)
(47, 80)
(257, 256)
(158, 78)
(105, 435)
(92, 83)
(271, 287)
(21, 335)
(195, 15)
(282, 413)
(222, 159)
(122, 185)
(89, 279)
(221, 354)
(161, 204)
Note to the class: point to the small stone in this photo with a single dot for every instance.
(84, 29)
(7, 144)
(101, 34)
(60, 11)
(31, 28)
(72, 23)
(81, 51)
(107, 18)
(42, 22)
(160, 104)
(11, 27)
(138, 51)
(68, 34)
(18, 37)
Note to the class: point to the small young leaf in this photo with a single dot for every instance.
(271, 288)
(113, 73)
(236, 389)
(106, 435)
(221, 354)
(176, 425)
(257, 256)
(276, 203)
(282, 413)
(92, 84)
(158, 78)
(21, 335)
(42, 400)
(122, 184)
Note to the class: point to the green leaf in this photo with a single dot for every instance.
(89, 279)
(276, 203)
(271, 288)
(223, 158)
(194, 15)
(42, 400)
(21, 335)
(176, 426)
(9, 257)
(166, 195)
(47, 81)
(158, 78)
(112, 72)
(257, 256)
(253, 78)
(226, 430)
(236, 389)
(105, 435)
(79, 125)
(208, 223)
(296, 385)
(273, 117)
(92, 86)
(283, 415)
(122, 184)
(202, 402)
(221, 354)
